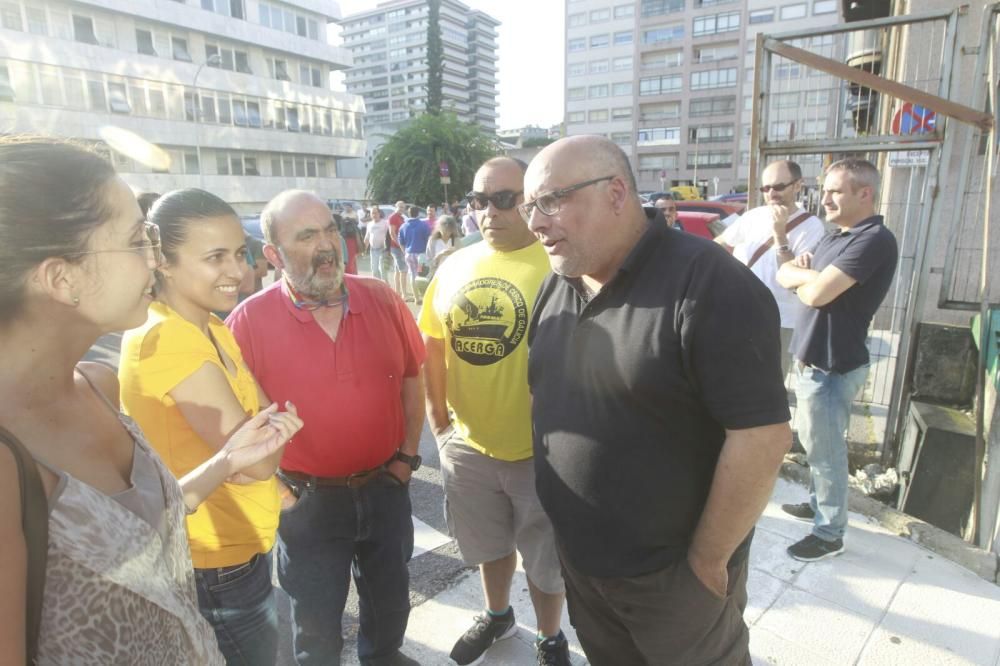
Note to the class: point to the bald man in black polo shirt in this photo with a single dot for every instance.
(660, 416)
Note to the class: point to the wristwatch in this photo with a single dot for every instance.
(413, 461)
(784, 248)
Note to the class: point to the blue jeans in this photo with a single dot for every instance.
(238, 602)
(398, 259)
(377, 258)
(823, 415)
(330, 534)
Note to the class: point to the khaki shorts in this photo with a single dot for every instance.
(492, 507)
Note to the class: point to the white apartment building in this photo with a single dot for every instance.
(668, 80)
(236, 91)
(389, 45)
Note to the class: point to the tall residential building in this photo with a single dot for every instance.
(667, 80)
(389, 45)
(236, 91)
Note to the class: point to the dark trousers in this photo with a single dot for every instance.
(238, 602)
(666, 617)
(330, 534)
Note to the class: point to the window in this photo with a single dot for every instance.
(83, 29)
(576, 69)
(784, 71)
(716, 23)
(662, 59)
(782, 129)
(714, 78)
(661, 111)
(762, 16)
(599, 66)
(624, 11)
(576, 93)
(222, 164)
(710, 134)
(207, 108)
(118, 98)
(621, 89)
(239, 112)
(600, 15)
(657, 161)
(598, 91)
(786, 100)
(660, 7)
(712, 106)
(576, 20)
(660, 85)
(95, 94)
(157, 103)
(144, 42)
(578, 44)
(242, 62)
(253, 114)
(623, 38)
(658, 136)
(621, 113)
(599, 41)
(663, 34)
(817, 97)
(37, 24)
(713, 53)
(179, 48)
(824, 7)
(598, 116)
(793, 12)
(10, 16)
(191, 163)
(51, 90)
(622, 64)
(278, 69)
(622, 138)
(138, 96)
(813, 129)
(311, 75)
(575, 117)
(711, 159)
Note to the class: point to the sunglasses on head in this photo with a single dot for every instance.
(777, 187)
(503, 200)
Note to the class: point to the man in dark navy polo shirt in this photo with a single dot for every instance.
(842, 283)
(660, 416)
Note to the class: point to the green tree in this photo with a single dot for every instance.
(434, 56)
(406, 166)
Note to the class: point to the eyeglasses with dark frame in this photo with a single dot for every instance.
(502, 200)
(151, 245)
(778, 187)
(548, 203)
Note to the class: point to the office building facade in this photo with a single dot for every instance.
(671, 81)
(237, 92)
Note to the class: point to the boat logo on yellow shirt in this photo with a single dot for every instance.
(487, 319)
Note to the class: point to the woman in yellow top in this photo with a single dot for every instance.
(184, 381)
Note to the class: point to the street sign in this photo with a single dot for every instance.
(904, 159)
(914, 119)
(445, 180)
(443, 168)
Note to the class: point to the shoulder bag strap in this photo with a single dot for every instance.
(35, 524)
(766, 245)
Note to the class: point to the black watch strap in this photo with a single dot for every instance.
(413, 461)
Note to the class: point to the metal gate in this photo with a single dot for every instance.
(876, 89)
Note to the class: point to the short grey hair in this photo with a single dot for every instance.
(861, 172)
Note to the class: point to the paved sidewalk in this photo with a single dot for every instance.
(884, 601)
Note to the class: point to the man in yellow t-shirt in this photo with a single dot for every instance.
(475, 323)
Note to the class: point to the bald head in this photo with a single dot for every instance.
(287, 204)
(584, 157)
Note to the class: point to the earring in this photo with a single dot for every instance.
(76, 300)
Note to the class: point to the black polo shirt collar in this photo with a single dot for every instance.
(862, 226)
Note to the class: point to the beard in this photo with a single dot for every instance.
(320, 287)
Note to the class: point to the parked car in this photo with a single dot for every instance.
(732, 198)
(723, 210)
(251, 226)
(699, 223)
(685, 192)
(653, 196)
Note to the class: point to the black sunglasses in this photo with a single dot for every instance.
(777, 187)
(503, 200)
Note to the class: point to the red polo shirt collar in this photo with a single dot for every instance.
(355, 303)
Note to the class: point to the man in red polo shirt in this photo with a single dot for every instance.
(308, 339)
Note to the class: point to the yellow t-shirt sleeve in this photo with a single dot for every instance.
(170, 353)
(429, 322)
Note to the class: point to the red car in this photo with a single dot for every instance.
(721, 208)
(697, 223)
